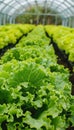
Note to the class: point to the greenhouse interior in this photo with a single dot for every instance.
(36, 64)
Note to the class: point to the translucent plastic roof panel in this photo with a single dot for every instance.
(7, 1)
(11, 3)
(64, 8)
(2, 5)
(11, 11)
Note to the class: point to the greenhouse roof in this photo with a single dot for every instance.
(65, 8)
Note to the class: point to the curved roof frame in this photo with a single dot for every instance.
(64, 4)
(16, 7)
(58, 6)
(66, 13)
(8, 6)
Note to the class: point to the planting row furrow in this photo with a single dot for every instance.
(35, 90)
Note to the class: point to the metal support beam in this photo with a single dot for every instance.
(56, 20)
(4, 19)
(10, 20)
(7, 4)
(45, 7)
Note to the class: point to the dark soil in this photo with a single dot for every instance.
(63, 60)
(70, 128)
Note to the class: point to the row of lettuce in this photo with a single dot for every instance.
(64, 38)
(9, 34)
(35, 91)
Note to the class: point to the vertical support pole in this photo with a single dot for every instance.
(4, 19)
(10, 20)
(65, 22)
(72, 22)
(56, 20)
(37, 19)
(13, 20)
(0, 18)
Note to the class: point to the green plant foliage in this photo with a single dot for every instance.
(47, 57)
(35, 92)
(9, 34)
(36, 37)
(33, 96)
(64, 38)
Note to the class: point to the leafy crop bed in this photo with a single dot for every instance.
(35, 91)
(62, 39)
(11, 34)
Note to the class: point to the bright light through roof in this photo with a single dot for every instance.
(16, 4)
